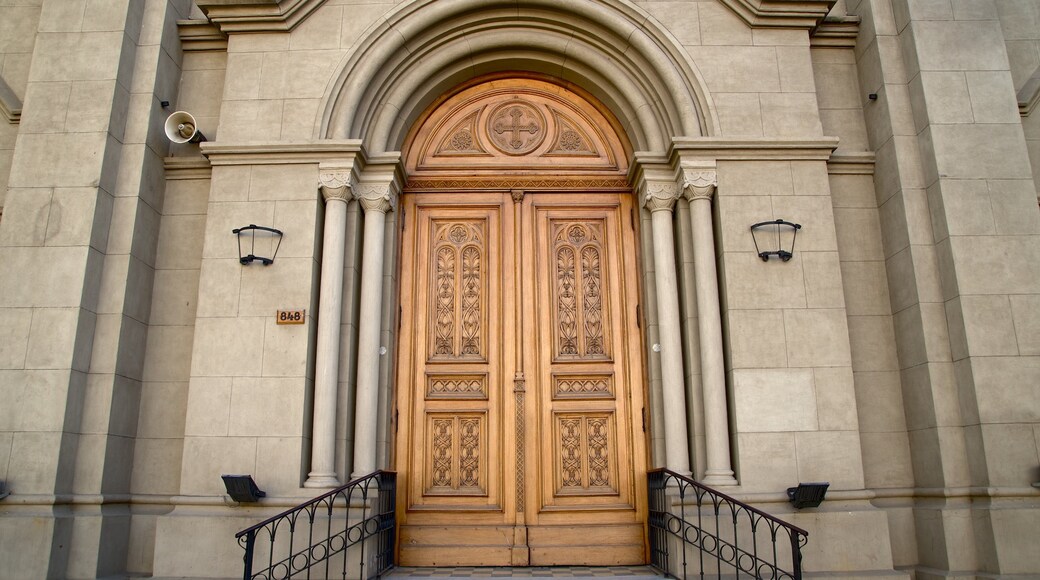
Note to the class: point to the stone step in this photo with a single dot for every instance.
(563, 572)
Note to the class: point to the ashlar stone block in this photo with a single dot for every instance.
(1013, 205)
(34, 400)
(959, 45)
(680, 18)
(720, 26)
(242, 78)
(992, 97)
(832, 456)
(866, 288)
(208, 406)
(858, 234)
(60, 338)
(175, 298)
(837, 85)
(988, 326)
(227, 347)
(958, 156)
(873, 343)
(358, 19)
(34, 461)
(86, 56)
(818, 337)
(755, 178)
(879, 401)
(219, 286)
(790, 115)
(1007, 389)
(823, 280)
(835, 398)
(740, 114)
(156, 466)
(1011, 454)
(14, 336)
(886, 460)
(766, 461)
(1025, 311)
(298, 118)
(280, 462)
(756, 339)
(168, 356)
(247, 120)
(162, 410)
(268, 407)
(996, 264)
(25, 216)
(752, 284)
(311, 72)
(738, 69)
(774, 400)
(207, 458)
(286, 284)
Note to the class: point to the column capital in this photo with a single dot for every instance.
(335, 185)
(659, 195)
(377, 197)
(336, 181)
(699, 183)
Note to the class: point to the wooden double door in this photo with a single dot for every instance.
(520, 399)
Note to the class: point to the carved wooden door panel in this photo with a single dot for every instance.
(520, 381)
(456, 307)
(587, 459)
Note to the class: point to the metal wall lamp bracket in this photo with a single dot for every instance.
(762, 235)
(242, 488)
(251, 230)
(807, 495)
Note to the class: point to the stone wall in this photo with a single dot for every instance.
(897, 355)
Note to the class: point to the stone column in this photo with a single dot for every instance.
(336, 189)
(376, 200)
(659, 197)
(698, 188)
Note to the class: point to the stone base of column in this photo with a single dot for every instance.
(721, 477)
(321, 480)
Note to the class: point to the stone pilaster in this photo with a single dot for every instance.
(336, 188)
(377, 199)
(659, 197)
(698, 187)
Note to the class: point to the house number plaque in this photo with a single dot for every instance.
(291, 316)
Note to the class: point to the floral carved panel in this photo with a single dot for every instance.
(586, 461)
(580, 325)
(458, 297)
(457, 454)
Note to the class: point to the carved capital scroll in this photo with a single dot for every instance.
(376, 197)
(659, 195)
(699, 183)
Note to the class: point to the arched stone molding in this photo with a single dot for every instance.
(610, 48)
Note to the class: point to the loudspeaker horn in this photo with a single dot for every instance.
(182, 128)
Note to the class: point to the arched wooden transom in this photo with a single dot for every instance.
(501, 133)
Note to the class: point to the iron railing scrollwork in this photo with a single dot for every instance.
(328, 536)
(716, 535)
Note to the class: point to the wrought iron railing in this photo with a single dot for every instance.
(698, 531)
(349, 528)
